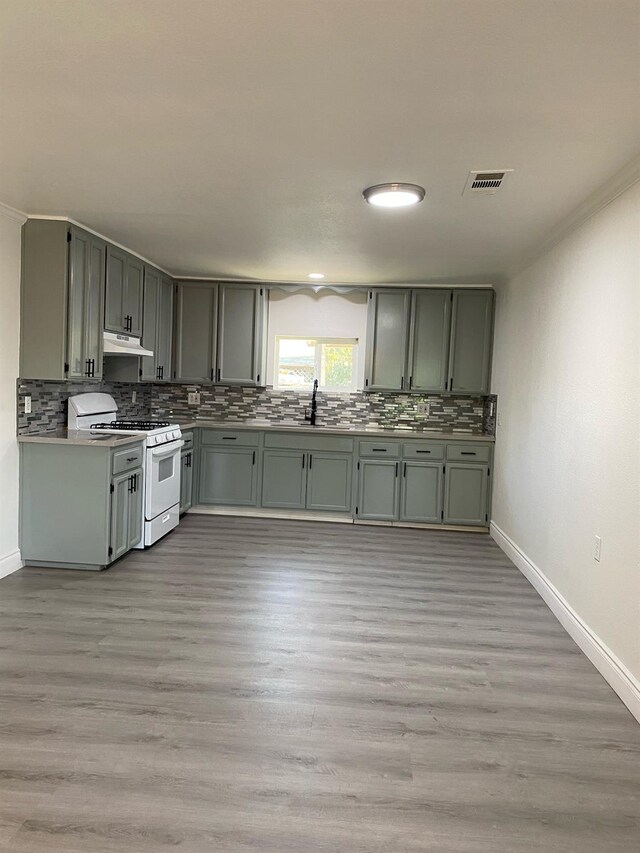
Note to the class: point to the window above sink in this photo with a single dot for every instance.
(332, 361)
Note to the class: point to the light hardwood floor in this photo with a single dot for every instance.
(285, 686)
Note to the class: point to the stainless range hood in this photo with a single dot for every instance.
(117, 344)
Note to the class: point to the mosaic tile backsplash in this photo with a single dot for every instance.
(471, 415)
(49, 401)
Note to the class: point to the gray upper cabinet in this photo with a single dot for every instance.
(471, 333)
(195, 340)
(157, 326)
(387, 333)
(124, 292)
(429, 340)
(165, 329)
(241, 310)
(62, 300)
(148, 370)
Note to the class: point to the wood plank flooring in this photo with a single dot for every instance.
(251, 684)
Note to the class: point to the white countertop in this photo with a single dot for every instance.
(82, 437)
(377, 432)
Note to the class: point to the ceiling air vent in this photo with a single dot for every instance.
(486, 182)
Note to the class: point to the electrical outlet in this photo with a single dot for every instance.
(27, 405)
(193, 398)
(134, 396)
(422, 408)
(597, 548)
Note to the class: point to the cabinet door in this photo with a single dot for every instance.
(136, 496)
(239, 324)
(429, 340)
(165, 329)
(133, 294)
(195, 332)
(378, 490)
(149, 366)
(186, 480)
(284, 477)
(387, 328)
(94, 307)
(470, 353)
(114, 290)
(421, 492)
(120, 514)
(79, 252)
(466, 494)
(329, 482)
(228, 475)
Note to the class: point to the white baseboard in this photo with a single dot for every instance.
(10, 563)
(605, 661)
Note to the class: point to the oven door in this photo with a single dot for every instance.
(162, 479)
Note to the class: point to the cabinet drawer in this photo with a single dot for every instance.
(380, 449)
(469, 452)
(304, 441)
(423, 450)
(230, 438)
(129, 457)
(187, 437)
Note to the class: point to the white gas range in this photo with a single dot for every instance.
(97, 413)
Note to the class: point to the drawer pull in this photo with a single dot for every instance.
(467, 453)
(229, 437)
(423, 451)
(131, 458)
(379, 449)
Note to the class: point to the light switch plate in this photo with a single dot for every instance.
(193, 398)
(27, 405)
(597, 548)
(422, 408)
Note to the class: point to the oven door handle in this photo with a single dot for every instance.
(167, 450)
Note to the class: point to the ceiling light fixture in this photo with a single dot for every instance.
(393, 195)
(316, 275)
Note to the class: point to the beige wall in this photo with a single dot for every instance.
(10, 225)
(567, 375)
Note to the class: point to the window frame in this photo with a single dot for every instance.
(320, 342)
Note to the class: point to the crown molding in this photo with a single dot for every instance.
(603, 196)
(102, 237)
(11, 213)
(350, 284)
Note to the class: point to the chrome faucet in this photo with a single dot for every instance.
(311, 415)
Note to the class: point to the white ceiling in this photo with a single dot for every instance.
(234, 137)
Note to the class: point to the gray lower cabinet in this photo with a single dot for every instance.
(378, 489)
(186, 480)
(228, 476)
(124, 292)
(466, 494)
(421, 492)
(195, 332)
(157, 326)
(329, 482)
(62, 301)
(126, 512)
(471, 334)
(387, 334)
(284, 477)
(80, 505)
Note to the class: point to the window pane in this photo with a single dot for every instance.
(337, 366)
(296, 363)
